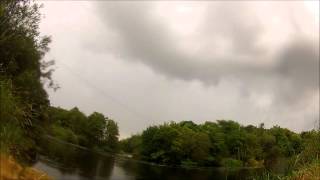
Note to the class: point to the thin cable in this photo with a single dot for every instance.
(128, 108)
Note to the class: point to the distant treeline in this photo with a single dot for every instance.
(221, 143)
(93, 131)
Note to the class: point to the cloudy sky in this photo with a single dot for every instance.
(145, 63)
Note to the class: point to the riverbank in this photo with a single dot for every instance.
(309, 171)
(130, 157)
(10, 169)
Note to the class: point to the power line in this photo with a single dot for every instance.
(102, 92)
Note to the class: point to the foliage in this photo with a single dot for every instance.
(13, 123)
(64, 134)
(231, 163)
(221, 143)
(24, 101)
(111, 134)
(131, 145)
(25, 112)
(91, 131)
(188, 163)
(309, 171)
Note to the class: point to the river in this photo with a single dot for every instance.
(64, 162)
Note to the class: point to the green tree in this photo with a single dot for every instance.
(156, 143)
(96, 127)
(21, 64)
(132, 145)
(191, 145)
(111, 134)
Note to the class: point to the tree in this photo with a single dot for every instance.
(157, 141)
(221, 143)
(22, 66)
(131, 145)
(96, 127)
(95, 131)
(217, 138)
(191, 145)
(111, 134)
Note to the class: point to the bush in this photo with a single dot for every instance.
(64, 134)
(188, 163)
(254, 163)
(231, 163)
(13, 129)
(310, 171)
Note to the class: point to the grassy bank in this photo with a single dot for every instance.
(11, 169)
(310, 171)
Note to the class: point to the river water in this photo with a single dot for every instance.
(64, 162)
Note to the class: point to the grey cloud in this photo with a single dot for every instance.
(231, 85)
(146, 39)
(236, 23)
(298, 65)
(126, 49)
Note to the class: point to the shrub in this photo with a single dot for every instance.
(64, 134)
(188, 163)
(231, 163)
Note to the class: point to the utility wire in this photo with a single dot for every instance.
(102, 92)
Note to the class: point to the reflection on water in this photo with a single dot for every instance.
(70, 163)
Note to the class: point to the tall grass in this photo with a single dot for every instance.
(12, 122)
(303, 166)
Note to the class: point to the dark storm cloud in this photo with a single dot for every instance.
(145, 38)
(298, 65)
(236, 23)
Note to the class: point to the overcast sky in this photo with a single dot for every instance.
(145, 63)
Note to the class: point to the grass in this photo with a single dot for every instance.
(308, 172)
(10, 169)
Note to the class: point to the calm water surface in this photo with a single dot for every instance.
(72, 163)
